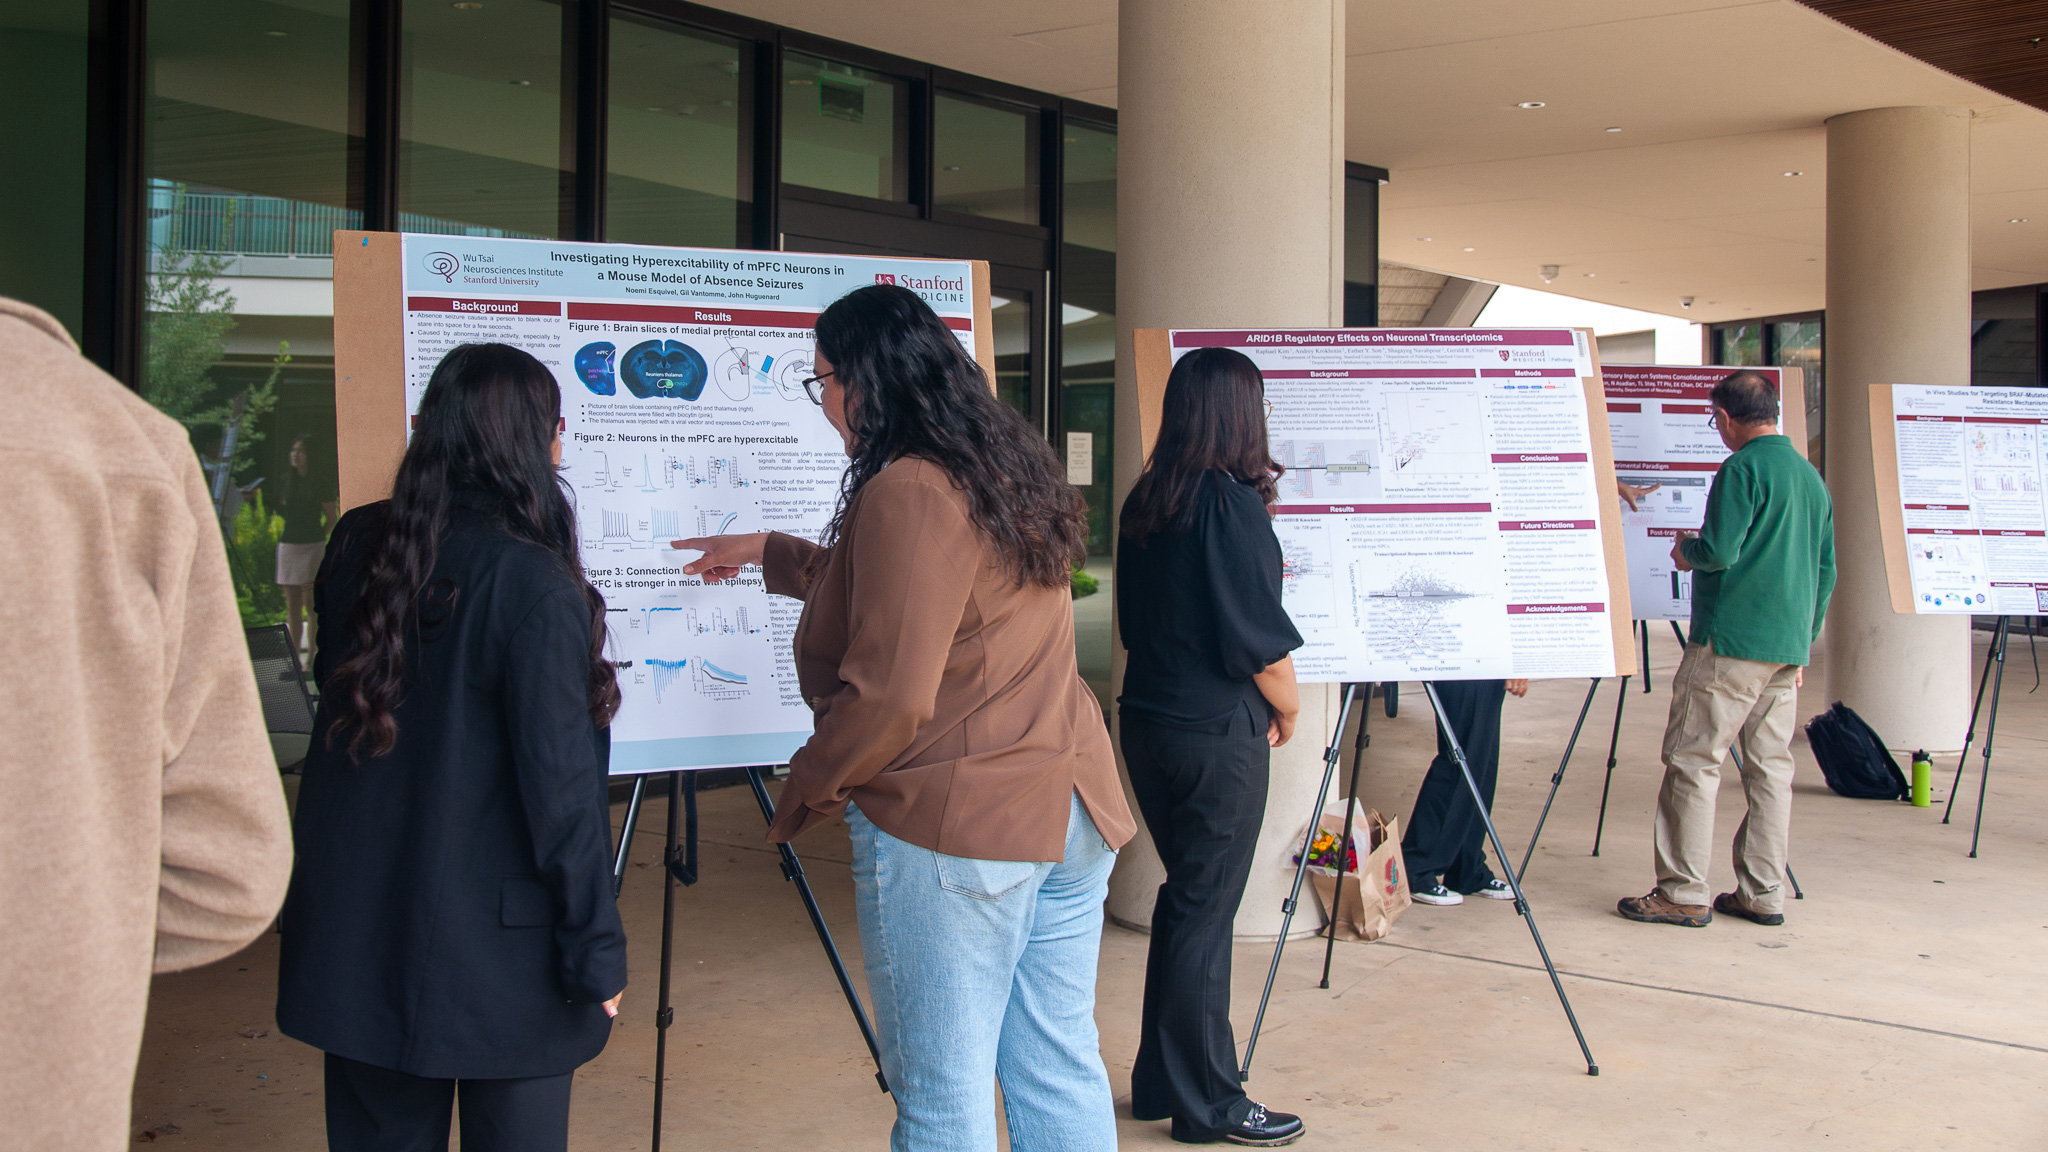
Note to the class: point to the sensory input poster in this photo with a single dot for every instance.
(1960, 473)
(683, 415)
(1448, 509)
(1658, 417)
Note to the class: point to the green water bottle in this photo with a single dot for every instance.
(1923, 779)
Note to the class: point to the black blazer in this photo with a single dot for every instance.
(450, 912)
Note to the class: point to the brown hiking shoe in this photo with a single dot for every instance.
(1727, 903)
(1655, 909)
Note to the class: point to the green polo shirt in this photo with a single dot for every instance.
(1764, 561)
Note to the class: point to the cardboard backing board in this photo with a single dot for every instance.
(1154, 358)
(1961, 481)
(369, 357)
(683, 415)
(1659, 414)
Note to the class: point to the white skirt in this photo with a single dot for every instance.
(299, 563)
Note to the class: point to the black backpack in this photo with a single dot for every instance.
(1853, 757)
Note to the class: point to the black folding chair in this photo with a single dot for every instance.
(281, 684)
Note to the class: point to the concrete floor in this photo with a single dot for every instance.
(1903, 1005)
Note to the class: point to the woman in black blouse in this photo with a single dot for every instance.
(1208, 693)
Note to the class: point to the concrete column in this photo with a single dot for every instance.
(1898, 303)
(1230, 212)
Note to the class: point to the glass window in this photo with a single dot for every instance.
(247, 156)
(1088, 371)
(1797, 344)
(2002, 352)
(987, 160)
(1011, 312)
(42, 219)
(677, 156)
(1361, 252)
(844, 129)
(480, 126)
(1739, 345)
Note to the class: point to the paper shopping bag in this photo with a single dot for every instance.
(1373, 896)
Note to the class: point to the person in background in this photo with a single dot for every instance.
(308, 502)
(1764, 568)
(953, 729)
(450, 928)
(142, 825)
(1444, 844)
(1208, 693)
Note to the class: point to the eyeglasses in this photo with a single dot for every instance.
(1714, 421)
(814, 386)
(1269, 408)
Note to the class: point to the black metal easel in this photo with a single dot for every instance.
(1514, 882)
(1557, 777)
(1332, 752)
(1343, 846)
(1996, 655)
(679, 865)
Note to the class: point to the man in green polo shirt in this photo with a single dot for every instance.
(1763, 567)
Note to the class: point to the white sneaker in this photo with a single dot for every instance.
(1436, 894)
(1496, 889)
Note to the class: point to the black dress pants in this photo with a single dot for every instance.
(1445, 836)
(372, 1109)
(1203, 796)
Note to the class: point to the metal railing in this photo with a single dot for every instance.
(226, 223)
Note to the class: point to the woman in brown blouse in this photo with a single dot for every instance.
(936, 650)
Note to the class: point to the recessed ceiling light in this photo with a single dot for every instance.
(1471, 249)
(654, 108)
(274, 32)
(520, 83)
(1423, 239)
(1621, 281)
(2017, 220)
(1530, 104)
(1590, 275)
(1616, 128)
(467, 5)
(952, 168)
(1795, 173)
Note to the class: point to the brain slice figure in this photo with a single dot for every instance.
(594, 367)
(669, 370)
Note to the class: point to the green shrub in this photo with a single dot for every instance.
(252, 558)
(1085, 584)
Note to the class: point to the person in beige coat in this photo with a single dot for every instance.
(142, 826)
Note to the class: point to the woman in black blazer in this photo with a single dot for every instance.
(1208, 693)
(450, 925)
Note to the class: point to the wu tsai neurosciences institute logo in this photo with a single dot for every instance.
(885, 278)
(443, 264)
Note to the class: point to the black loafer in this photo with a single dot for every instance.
(1263, 1129)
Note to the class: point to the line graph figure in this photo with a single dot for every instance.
(719, 625)
(647, 618)
(717, 470)
(601, 477)
(667, 525)
(664, 674)
(715, 522)
(617, 525)
(715, 683)
(648, 475)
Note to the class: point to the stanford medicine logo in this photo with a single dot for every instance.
(443, 264)
(885, 278)
(1503, 353)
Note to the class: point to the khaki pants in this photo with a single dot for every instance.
(1717, 701)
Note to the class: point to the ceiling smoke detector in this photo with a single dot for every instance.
(1685, 301)
(1548, 272)
(1530, 104)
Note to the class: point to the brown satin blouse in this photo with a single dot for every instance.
(946, 698)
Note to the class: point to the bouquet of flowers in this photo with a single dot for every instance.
(1322, 852)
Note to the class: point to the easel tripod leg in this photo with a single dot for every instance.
(1990, 731)
(1613, 743)
(626, 830)
(1521, 901)
(1557, 778)
(1343, 846)
(793, 869)
(1970, 736)
(664, 1014)
(1332, 752)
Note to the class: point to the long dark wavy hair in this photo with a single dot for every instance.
(911, 390)
(1213, 418)
(486, 427)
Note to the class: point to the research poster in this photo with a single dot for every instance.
(684, 414)
(1441, 516)
(1658, 417)
(1966, 524)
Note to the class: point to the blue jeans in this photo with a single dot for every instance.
(984, 970)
